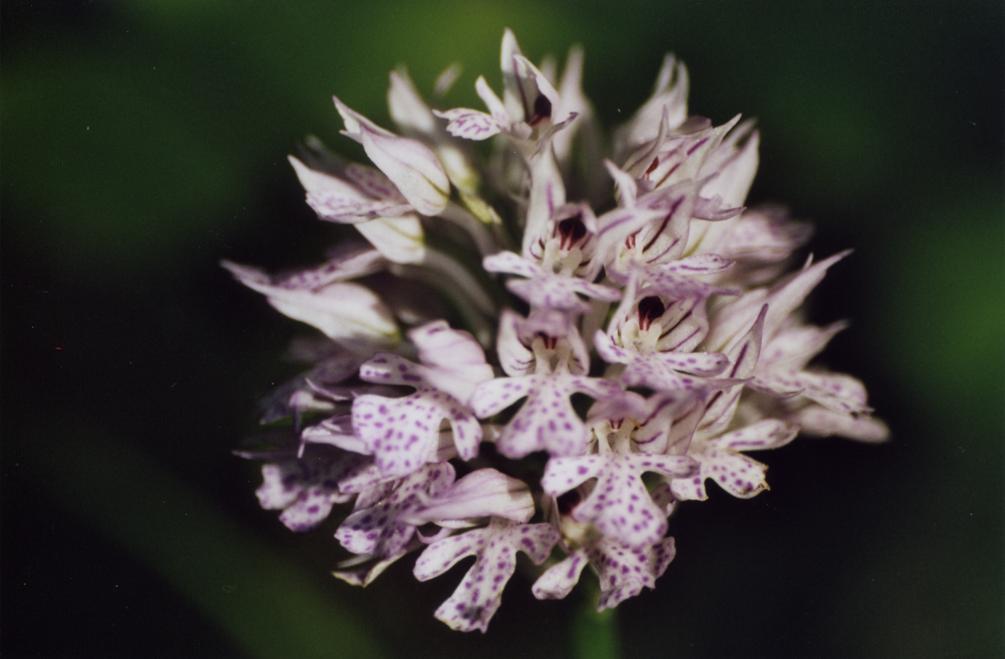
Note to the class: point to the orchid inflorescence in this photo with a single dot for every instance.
(630, 332)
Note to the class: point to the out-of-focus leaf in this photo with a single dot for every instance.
(268, 607)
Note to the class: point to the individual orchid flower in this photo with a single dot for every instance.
(653, 233)
(546, 290)
(409, 164)
(494, 547)
(361, 196)
(763, 236)
(822, 422)
(547, 420)
(619, 505)
(568, 246)
(827, 403)
(526, 110)
(781, 372)
(721, 458)
(676, 156)
(346, 312)
(365, 194)
(502, 431)
(622, 570)
(731, 165)
(655, 333)
(382, 527)
(306, 488)
(402, 433)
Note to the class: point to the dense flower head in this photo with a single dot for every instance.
(597, 338)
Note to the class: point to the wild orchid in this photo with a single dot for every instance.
(616, 333)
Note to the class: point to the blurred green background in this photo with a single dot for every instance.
(143, 141)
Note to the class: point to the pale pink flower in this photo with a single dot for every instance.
(610, 357)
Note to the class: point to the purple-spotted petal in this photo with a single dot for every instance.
(403, 433)
(624, 571)
(387, 368)
(619, 504)
(305, 489)
(384, 528)
(671, 280)
(469, 124)
(666, 371)
(734, 472)
(835, 391)
(349, 263)
(559, 580)
(564, 474)
(559, 292)
(513, 264)
(496, 395)
(547, 420)
(545, 290)
(479, 594)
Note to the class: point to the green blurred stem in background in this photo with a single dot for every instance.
(594, 634)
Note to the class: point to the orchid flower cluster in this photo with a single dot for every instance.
(625, 330)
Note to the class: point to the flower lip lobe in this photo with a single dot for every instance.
(695, 353)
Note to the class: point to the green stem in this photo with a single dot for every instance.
(595, 635)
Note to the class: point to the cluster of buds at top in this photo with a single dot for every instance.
(625, 330)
